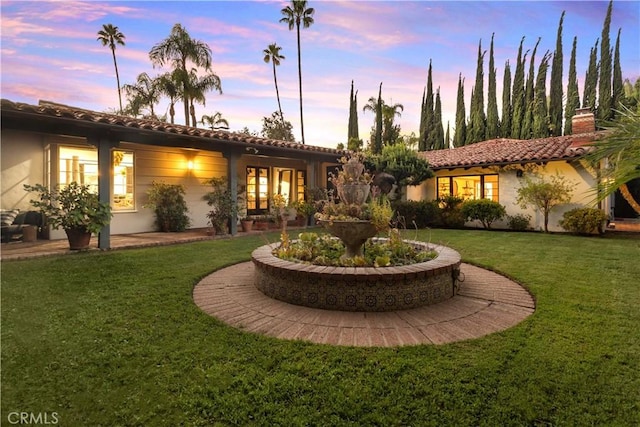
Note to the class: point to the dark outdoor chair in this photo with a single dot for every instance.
(21, 220)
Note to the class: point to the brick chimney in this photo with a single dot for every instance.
(583, 125)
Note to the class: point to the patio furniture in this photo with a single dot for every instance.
(15, 223)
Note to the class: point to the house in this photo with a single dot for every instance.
(495, 169)
(120, 157)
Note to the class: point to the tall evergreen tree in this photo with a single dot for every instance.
(591, 80)
(540, 112)
(493, 125)
(507, 109)
(353, 116)
(447, 137)
(517, 99)
(527, 123)
(377, 142)
(438, 131)
(618, 84)
(470, 133)
(478, 119)
(422, 139)
(429, 122)
(460, 137)
(573, 97)
(555, 89)
(605, 75)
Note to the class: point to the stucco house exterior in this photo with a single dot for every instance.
(121, 156)
(495, 169)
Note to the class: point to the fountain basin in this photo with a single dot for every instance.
(353, 234)
(358, 288)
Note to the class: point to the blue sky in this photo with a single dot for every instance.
(49, 51)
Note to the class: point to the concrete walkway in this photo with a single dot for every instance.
(487, 303)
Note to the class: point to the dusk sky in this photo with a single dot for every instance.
(50, 52)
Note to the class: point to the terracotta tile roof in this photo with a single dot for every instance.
(507, 151)
(54, 110)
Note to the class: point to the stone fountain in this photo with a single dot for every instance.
(357, 288)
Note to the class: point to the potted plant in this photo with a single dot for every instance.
(222, 205)
(305, 210)
(167, 200)
(73, 208)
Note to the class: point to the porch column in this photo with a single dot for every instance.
(232, 180)
(105, 177)
(312, 166)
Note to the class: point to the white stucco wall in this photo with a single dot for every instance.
(583, 184)
(22, 162)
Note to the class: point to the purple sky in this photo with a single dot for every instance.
(49, 51)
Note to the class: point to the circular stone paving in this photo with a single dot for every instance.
(485, 303)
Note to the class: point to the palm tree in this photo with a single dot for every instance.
(144, 93)
(215, 121)
(389, 112)
(272, 53)
(294, 16)
(110, 36)
(169, 85)
(177, 49)
(197, 87)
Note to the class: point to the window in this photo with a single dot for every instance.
(301, 183)
(123, 195)
(78, 165)
(469, 187)
(257, 190)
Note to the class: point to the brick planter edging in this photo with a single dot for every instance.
(358, 288)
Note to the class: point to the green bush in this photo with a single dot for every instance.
(484, 210)
(450, 212)
(518, 222)
(584, 221)
(419, 214)
(167, 200)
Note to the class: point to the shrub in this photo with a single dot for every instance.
(518, 222)
(484, 210)
(222, 205)
(584, 221)
(167, 200)
(450, 212)
(422, 213)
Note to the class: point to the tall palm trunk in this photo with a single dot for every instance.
(275, 80)
(300, 82)
(115, 64)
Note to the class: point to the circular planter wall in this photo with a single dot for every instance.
(358, 288)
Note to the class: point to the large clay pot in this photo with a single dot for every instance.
(247, 225)
(78, 238)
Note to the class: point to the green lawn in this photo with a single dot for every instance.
(106, 339)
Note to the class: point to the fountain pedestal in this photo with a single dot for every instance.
(353, 234)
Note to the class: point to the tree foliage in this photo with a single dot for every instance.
(460, 136)
(604, 111)
(111, 36)
(403, 163)
(493, 122)
(275, 127)
(484, 210)
(573, 96)
(555, 89)
(545, 194)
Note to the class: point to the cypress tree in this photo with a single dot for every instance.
(527, 123)
(555, 90)
(460, 137)
(618, 84)
(350, 130)
(438, 132)
(604, 81)
(493, 125)
(540, 112)
(478, 128)
(517, 99)
(422, 139)
(507, 110)
(469, 139)
(591, 80)
(573, 97)
(429, 122)
(447, 137)
(377, 143)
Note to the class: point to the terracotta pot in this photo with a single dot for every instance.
(246, 225)
(261, 225)
(78, 238)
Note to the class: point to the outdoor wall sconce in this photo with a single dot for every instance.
(519, 173)
(190, 165)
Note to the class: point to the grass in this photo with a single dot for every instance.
(107, 339)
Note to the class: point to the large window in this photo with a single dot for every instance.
(257, 190)
(469, 187)
(123, 180)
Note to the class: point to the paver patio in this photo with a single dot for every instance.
(486, 303)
